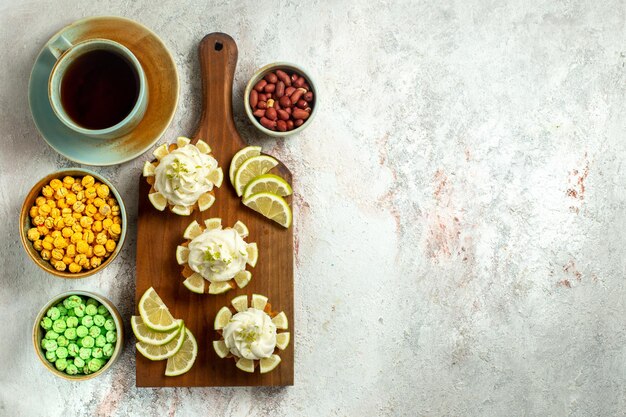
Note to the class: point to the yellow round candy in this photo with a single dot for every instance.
(88, 236)
(95, 262)
(101, 238)
(40, 201)
(115, 229)
(45, 210)
(74, 267)
(78, 207)
(76, 187)
(86, 221)
(33, 234)
(87, 181)
(68, 181)
(56, 184)
(60, 242)
(60, 266)
(70, 199)
(45, 254)
(59, 223)
(76, 236)
(43, 230)
(110, 245)
(90, 192)
(105, 210)
(91, 210)
(57, 254)
(67, 260)
(47, 245)
(47, 191)
(34, 211)
(82, 246)
(107, 223)
(99, 250)
(96, 226)
(77, 228)
(37, 245)
(60, 193)
(70, 250)
(103, 191)
(69, 220)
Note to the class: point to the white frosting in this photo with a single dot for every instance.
(182, 175)
(218, 254)
(250, 334)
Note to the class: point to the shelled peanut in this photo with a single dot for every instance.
(281, 101)
(76, 223)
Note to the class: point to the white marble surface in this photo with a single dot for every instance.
(459, 207)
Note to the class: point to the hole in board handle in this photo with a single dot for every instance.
(218, 46)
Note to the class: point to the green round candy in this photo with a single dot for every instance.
(72, 349)
(84, 353)
(52, 345)
(70, 333)
(46, 323)
(79, 362)
(62, 341)
(94, 331)
(44, 342)
(100, 340)
(61, 364)
(108, 350)
(61, 352)
(87, 321)
(82, 331)
(53, 313)
(99, 320)
(51, 355)
(109, 324)
(59, 326)
(111, 336)
(86, 370)
(92, 302)
(71, 369)
(91, 310)
(71, 322)
(72, 301)
(95, 364)
(79, 310)
(62, 309)
(103, 311)
(96, 353)
(51, 335)
(70, 313)
(88, 341)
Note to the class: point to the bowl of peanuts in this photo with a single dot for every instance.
(280, 99)
(73, 223)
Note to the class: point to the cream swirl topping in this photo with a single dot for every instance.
(182, 175)
(218, 254)
(250, 334)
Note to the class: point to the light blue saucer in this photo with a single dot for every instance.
(161, 76)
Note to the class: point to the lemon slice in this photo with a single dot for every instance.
(280, 321)
(253, 253)
(259, 301)
(282, 340)
(155, 313)
(243, 154)
(241, 228)
(161, 151)
(222, 318)
(144, 334)
(160, 352)
(182, 254)
(192, 230)
(158, 200)
(182, 141)
(268, 183)
(195, 283)
(251, 168)
(217, 177)
(213, 223)
(268, 364)
(219, 287)
(240, 303)
(184, 359)
(148, 169)
(243, 278)
(205, 201)
(220, 348)
(271, 206)
(246, 365)
(203, 147)
(181, 210)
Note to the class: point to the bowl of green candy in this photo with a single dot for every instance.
(78, 335)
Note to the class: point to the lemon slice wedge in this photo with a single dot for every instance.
(240, 303)
(220, 348)
(161, 151)
(181, 210)
(268, 183)
(222, 318)
(251, 168)
(243, 154)
(259, 301)
(243, 278)
(203, 147)
(148, 169)
(182, 141)
(144, 334)
(269, 364)
(155, 313)
(158, 200)
(205, 201)
(160, 352)
(192, 231)
(182, 254)
(195, 283)
(219, 287)
(282, 340)
(184, 359)
(241, 228)
(253, 253)
(217, 177)
(272, 206)
(246, 365)
(280, 321)
(213, 223)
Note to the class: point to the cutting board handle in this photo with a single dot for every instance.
(218, 60)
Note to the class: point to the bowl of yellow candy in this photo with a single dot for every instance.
(73, 223)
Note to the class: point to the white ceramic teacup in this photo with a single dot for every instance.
(66, 53)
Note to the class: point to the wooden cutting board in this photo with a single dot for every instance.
(158, 234)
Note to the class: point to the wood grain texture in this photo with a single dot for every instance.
(158, 234)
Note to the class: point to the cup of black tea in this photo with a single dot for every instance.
(97, 87)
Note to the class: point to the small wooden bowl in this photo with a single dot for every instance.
(38, 334)
(287, 67)
(25, 222)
